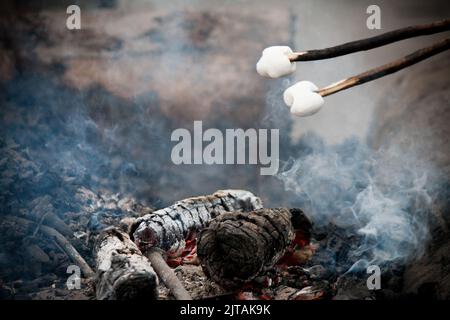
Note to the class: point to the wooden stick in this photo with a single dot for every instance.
(386, 69)
(63, 242)
(69, 249)
(167, 275)
(373, 42)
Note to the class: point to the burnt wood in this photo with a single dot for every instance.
(21, 225)
(237, 246)
(169, 228)
(123, 273)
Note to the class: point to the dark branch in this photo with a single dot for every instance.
(387, 69)
(373, 42)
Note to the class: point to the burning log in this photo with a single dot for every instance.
(237, 246)
(169, 228)
(123, 273)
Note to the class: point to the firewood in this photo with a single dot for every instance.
(167, 275)
(169, 228)
(69, 250)
(237, 246)
(60, 240)
(123, 273)
(43, 212)
(37, 254)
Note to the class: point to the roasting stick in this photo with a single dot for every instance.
(278, 61)
(386, 69)
(304, 98)
(373, 42)
(167, 275)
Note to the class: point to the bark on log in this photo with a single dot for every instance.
(169, 228)
(123, 273)
(237, 246)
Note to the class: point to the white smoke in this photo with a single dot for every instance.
(377, 196)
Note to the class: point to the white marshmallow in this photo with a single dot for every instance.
(275, 63)
(302, 99)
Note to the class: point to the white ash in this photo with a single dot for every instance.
(169, 228)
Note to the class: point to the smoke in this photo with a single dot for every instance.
(76, 136)
(94, 137)
(380, 198)
(376, 201)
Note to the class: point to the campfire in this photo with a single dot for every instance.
(220, 246)
(241, 246)
(92, 207)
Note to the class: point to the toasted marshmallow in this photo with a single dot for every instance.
(303, 99)
(275, 63)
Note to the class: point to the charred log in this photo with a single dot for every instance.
(123, 273)
(237, 246)
(72, 253)
(43, 213)
(169, 228)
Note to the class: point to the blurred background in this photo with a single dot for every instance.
(94, 108)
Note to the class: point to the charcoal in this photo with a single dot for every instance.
(350, 287)
(37, 254)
